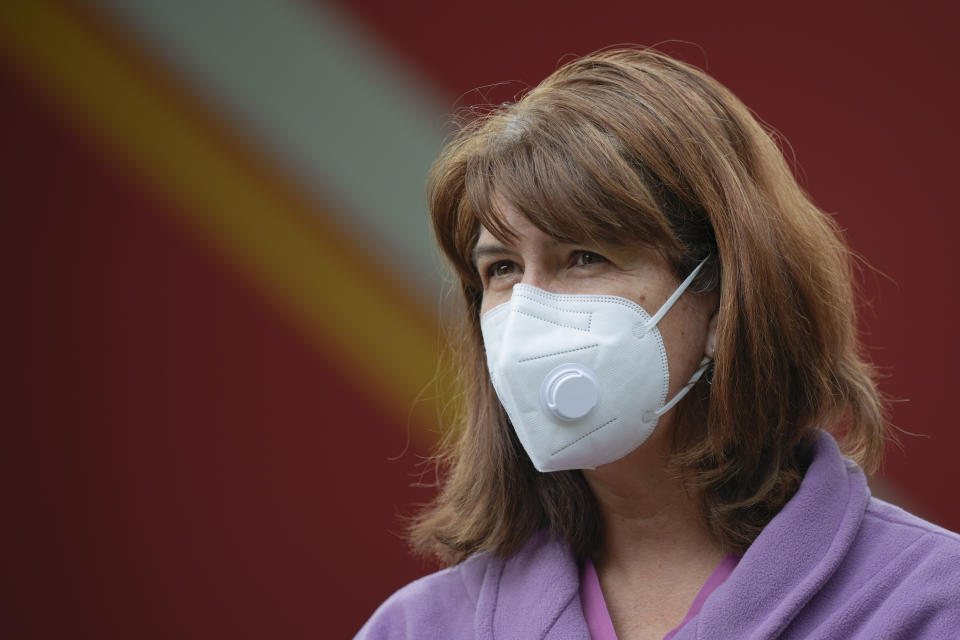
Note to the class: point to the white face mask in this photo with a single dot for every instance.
(583, 378)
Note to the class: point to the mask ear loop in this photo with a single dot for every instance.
(701, 368)
(704, 363)
(674, 296)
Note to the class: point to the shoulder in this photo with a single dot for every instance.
(439, 605)
(529, 594)
(909, 568)
(925, 553)
(838, 563)
(890, 519)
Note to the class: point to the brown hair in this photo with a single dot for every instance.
(631, 146)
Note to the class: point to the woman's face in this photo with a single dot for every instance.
(635, 273)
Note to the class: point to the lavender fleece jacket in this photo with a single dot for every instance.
(834, 563)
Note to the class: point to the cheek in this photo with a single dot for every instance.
(492, 299)
(684, 336)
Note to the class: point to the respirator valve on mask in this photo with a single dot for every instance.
(570, 391)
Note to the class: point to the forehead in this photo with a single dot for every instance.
(504, 225)
(514, 232)
(507, 225)
(527, 236)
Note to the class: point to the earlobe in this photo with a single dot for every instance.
(711, 346)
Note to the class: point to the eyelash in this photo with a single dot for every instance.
(576, 259)
(581, 254)
(492, 269)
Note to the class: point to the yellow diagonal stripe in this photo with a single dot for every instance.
(256, 222)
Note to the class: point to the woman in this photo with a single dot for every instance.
(659, 340)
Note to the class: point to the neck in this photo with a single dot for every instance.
(650, 520)
(656, 551)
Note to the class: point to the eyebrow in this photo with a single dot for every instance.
(491, 249)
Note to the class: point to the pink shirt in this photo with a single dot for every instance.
(595, 609)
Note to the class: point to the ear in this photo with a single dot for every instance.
(711, 346)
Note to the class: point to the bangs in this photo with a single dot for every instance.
(568, 178)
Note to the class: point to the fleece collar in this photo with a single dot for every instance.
(794, 555)
(535, 593)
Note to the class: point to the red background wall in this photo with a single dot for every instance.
(176, 462)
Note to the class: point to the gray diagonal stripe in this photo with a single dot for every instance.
(323, 101)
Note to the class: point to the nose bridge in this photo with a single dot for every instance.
(537, 273)
(534, 277)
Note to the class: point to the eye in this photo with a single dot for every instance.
(586, 258)
(501, 269)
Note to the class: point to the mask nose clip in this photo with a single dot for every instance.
(570, 391)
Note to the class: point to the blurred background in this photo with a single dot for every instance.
(223, 302)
